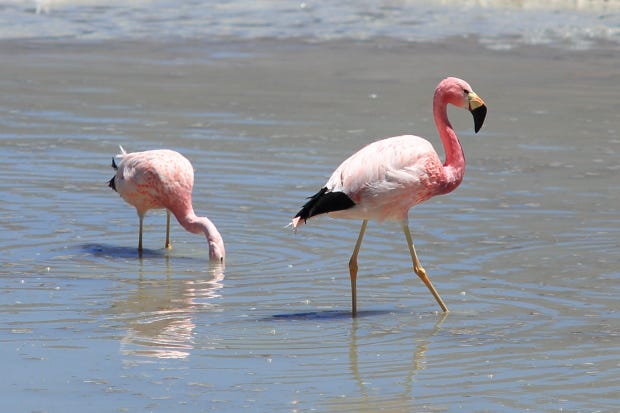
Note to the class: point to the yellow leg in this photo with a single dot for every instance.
(168, 246)
(421, 272)
(353, 268)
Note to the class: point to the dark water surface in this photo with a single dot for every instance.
(525, 252)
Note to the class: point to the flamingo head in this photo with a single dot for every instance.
(217, 253)
(458, 92)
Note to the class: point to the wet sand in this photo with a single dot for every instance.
(525, 252)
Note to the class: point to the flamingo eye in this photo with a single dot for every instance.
(466, 91)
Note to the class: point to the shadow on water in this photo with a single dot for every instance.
(326, 315)
(105, 250)
(113, 251)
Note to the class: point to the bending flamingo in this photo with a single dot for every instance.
(163, 179)
(386, 178)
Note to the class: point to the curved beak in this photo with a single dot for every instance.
(477, 109)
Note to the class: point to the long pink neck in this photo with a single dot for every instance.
(454, 166)
(196, 225)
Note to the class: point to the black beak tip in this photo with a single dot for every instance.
(479, 114)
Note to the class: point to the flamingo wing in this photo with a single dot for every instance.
(380, 181)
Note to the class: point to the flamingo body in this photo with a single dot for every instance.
(386, 178)
(154, 179)
(163, 179)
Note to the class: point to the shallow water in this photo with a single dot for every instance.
(525, 252)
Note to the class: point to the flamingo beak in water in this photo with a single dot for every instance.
(477, 109)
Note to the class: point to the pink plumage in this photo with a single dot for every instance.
(163, 179)
(383, 180)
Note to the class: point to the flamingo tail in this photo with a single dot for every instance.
(111, 182)
(323, 202)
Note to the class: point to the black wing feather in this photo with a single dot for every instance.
(323, 202)
(111, 182)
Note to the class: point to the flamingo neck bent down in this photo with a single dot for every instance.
(197, 225)
(454, 166)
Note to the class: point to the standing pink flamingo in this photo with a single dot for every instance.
(163, 179)
(383, 180)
